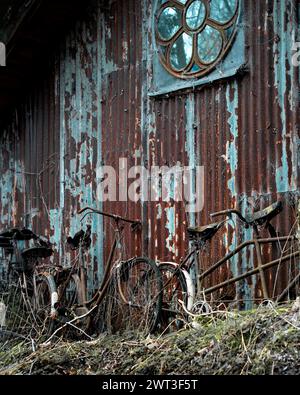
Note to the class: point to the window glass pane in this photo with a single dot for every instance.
(222, 10)
(209, 44)
(195, 15)
(169, 23)
(181, 52)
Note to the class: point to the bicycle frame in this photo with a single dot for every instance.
(261, 267)
(100, 293)
(108, 273)
(130, 289)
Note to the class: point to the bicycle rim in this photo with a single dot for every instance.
(16, 309)
(111, 312)
(43, 300)
(73, 305)
(140, 289)
(174, 293)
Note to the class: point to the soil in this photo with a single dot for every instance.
(263, 341)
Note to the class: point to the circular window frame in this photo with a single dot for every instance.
(186, 73)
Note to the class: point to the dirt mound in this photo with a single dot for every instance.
(262, 341)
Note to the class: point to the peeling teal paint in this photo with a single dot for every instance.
(171, 227)
(6, 189)
(231, 148)
(137, 154)
(172, 187)
(98, 247)
(231, 247)
(190, 146)
(83, 108)
(159, 212)
(18, 170)
(232, 161)
(107, 63)
(57, 214)
(11, 181)
(56, 226)
(247, 257)
(283, 67)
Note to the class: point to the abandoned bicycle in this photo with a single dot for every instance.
(22, 285)
(182, 294)
(129, 295)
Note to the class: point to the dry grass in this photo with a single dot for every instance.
(262, 341)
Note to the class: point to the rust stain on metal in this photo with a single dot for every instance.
(94, 108)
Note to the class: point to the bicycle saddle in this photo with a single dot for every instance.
(37, 252)
(83, 237)
(205, 232)
(264, 216)
(5, 242)
(19, 234)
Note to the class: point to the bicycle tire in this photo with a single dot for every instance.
(73, 305)
(111, 311)
(16, 308)
(140, 290)
(174, 290)
(72, 294)
(45, 298)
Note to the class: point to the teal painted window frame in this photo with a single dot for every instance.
(164, 83)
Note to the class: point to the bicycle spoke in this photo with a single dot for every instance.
(140, 288)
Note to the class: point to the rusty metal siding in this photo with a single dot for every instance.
(247, 138)
(121, 105)
(94, 108)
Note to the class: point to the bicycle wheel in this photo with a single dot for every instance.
(111, 312)
(72, 305)
(16, 316)
(140, 289)
(73, 293)
(45, 299)
(174, 291)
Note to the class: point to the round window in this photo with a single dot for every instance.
(193, 36)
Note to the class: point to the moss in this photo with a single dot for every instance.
(263, 341)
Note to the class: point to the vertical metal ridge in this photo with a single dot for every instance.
(243, 130)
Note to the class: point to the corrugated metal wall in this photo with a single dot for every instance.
(93, 108)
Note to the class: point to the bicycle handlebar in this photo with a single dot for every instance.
(228, 213)
(113, 216)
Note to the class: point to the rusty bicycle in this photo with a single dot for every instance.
(22, 285)
(183, 293)
(129, 295)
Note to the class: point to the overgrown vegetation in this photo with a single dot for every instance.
(262, 341)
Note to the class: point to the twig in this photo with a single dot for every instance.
(205, 314)
(33, 345)
(68, 323)
(79, 329)
(31, 367)
(284, 319)
(245, 348)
